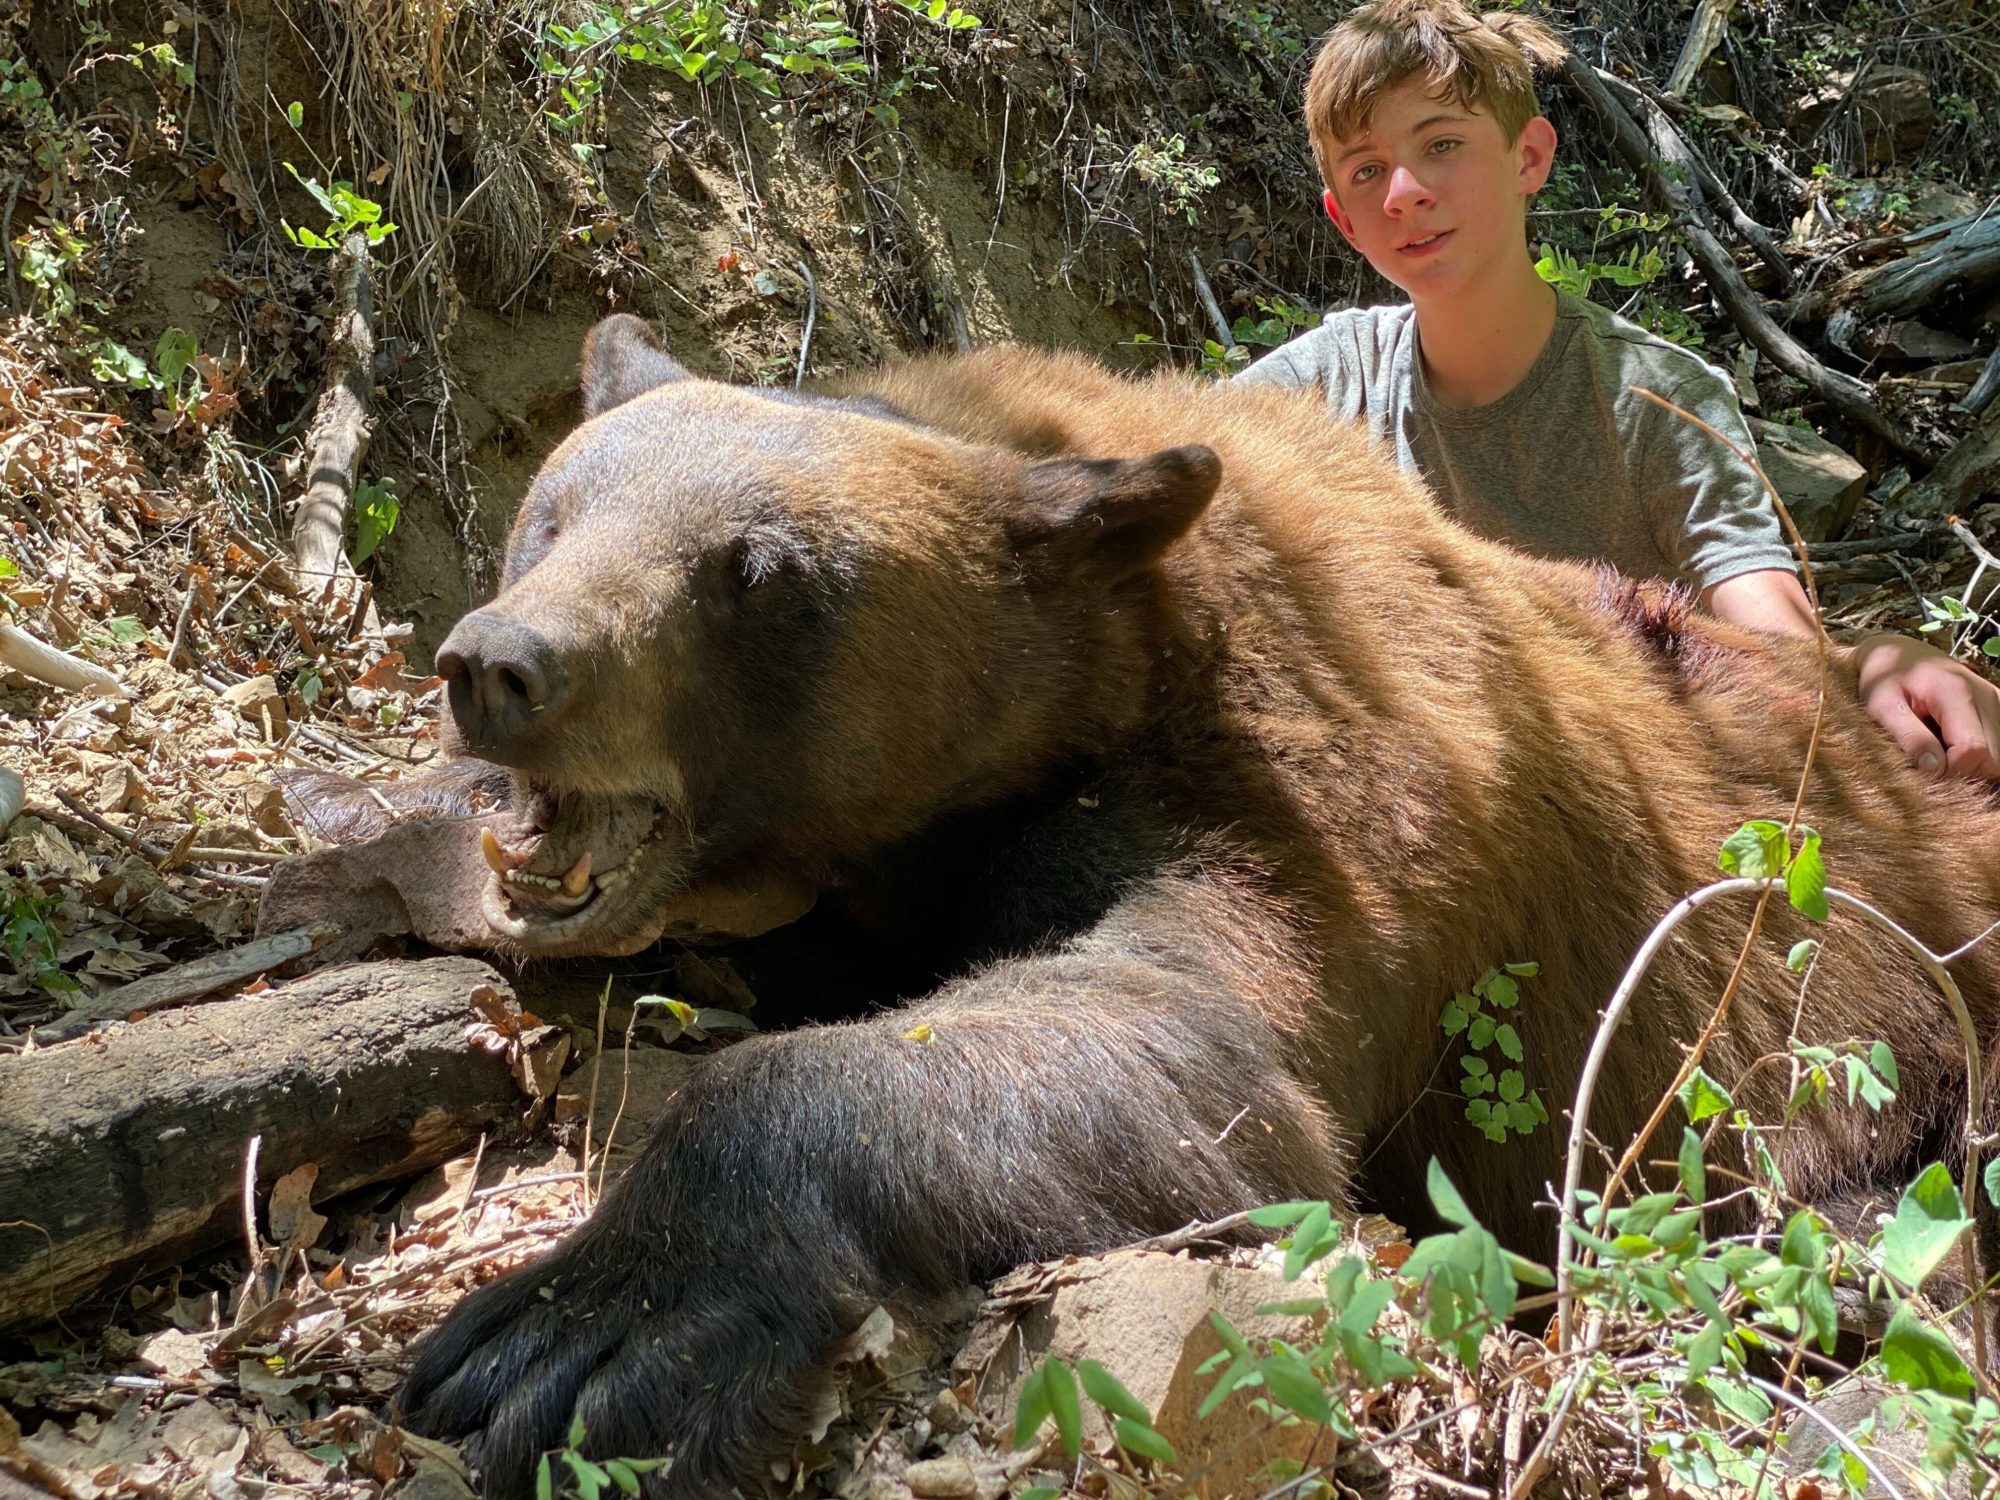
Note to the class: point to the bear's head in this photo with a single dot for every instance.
(745, 630)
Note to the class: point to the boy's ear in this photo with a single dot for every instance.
(1332, 206)
(1536, 150)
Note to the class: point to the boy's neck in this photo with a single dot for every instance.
(1478, 346)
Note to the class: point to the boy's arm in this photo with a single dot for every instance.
(1944, 715)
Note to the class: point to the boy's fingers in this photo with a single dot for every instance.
(1967, 712)
(1888, 706)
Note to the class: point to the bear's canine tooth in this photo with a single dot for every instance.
(576, 879)
(496, 857)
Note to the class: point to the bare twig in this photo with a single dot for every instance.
(1209, 305)
(812, 316)
(1705, 33)
(188, 981)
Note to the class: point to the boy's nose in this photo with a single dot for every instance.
(1406, 190)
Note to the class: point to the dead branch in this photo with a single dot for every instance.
(191, 980)
(1705, 33)
(1209, 305)
(338, 438)
(33, 658)
(1986, 387)
(126, 1152)
(1844, 393)
(1699, 178)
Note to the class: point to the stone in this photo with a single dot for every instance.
(1144, 1317)
(942, 1479)
(1889, 106)
(1820, 483)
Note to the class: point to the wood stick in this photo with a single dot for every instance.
(340, 427)
(33, 658)
(1986, 387)
(191, 980)
(1962, 474)
(1209, 305)
(1705, 33)
(126, 1152)
(1844, 393)
(1969, 255)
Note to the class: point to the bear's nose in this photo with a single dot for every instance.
(504, 682)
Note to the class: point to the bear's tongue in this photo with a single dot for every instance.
(563, 854)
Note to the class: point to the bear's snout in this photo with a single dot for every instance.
(505, 684)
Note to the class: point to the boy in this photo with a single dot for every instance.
(1512, 399)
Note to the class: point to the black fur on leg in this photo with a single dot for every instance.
(1065, 1102)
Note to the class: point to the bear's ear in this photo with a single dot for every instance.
(1111, 517)
(621, 360)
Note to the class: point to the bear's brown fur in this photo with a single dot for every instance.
(1196, 782)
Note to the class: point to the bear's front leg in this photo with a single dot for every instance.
(1050, 1105)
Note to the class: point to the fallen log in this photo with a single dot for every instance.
(125, 1152)
(1968, 255)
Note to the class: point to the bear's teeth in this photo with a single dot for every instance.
(576, 880)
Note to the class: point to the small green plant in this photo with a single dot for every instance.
(588, 1479)
(1497, 1100)
(1762, 850)
(1277, 321)
(32, 942)
(345, 209)
(1635, 268)
(376, 511)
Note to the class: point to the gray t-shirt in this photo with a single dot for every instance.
(1570, 463)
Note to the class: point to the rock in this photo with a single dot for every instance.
(1888, 105)
(1819, 483)
(1144, 1317)
(1908, 339)
(1897, 1450)
(942, 1479)
(258, 700)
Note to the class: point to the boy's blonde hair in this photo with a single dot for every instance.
(1486, 61)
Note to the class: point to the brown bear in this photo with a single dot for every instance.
(1188, 759)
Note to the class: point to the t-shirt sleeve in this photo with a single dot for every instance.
(1295, 365)
(1708, 509)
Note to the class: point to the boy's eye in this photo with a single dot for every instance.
(1365, 173)
(1439, 147)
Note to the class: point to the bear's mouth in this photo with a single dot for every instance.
(569, 861)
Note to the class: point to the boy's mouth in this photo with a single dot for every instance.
(1425, 245)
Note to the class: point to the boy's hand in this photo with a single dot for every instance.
(1905, 682)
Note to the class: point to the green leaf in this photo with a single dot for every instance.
(1928, 1222)
(545, 1484)
(1756, 851)
(1921, 1357)
(1744, 1402)
(1290, 1382)
(1805, 877)
(1509, 1041)
(1704, 1350)
(1502, 991)
(1225, 1330)
(1309, 1240)
(1452, 1018)
(1031, 1406)
(1039, 1492)
(1139, 1438)
(1512, 1085)
(1526, 970)
(1060, 1383)
(1701, 1096)
(1694, 1172)
(1480, 1032)
(1883, 1061)
(295, 114)
(1282, 1215)
(623, 1475)
(1445, 1198)
(1989, 1177)
(1801, 954)
(1109, 1392)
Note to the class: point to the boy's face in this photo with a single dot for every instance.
(1432, 193)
